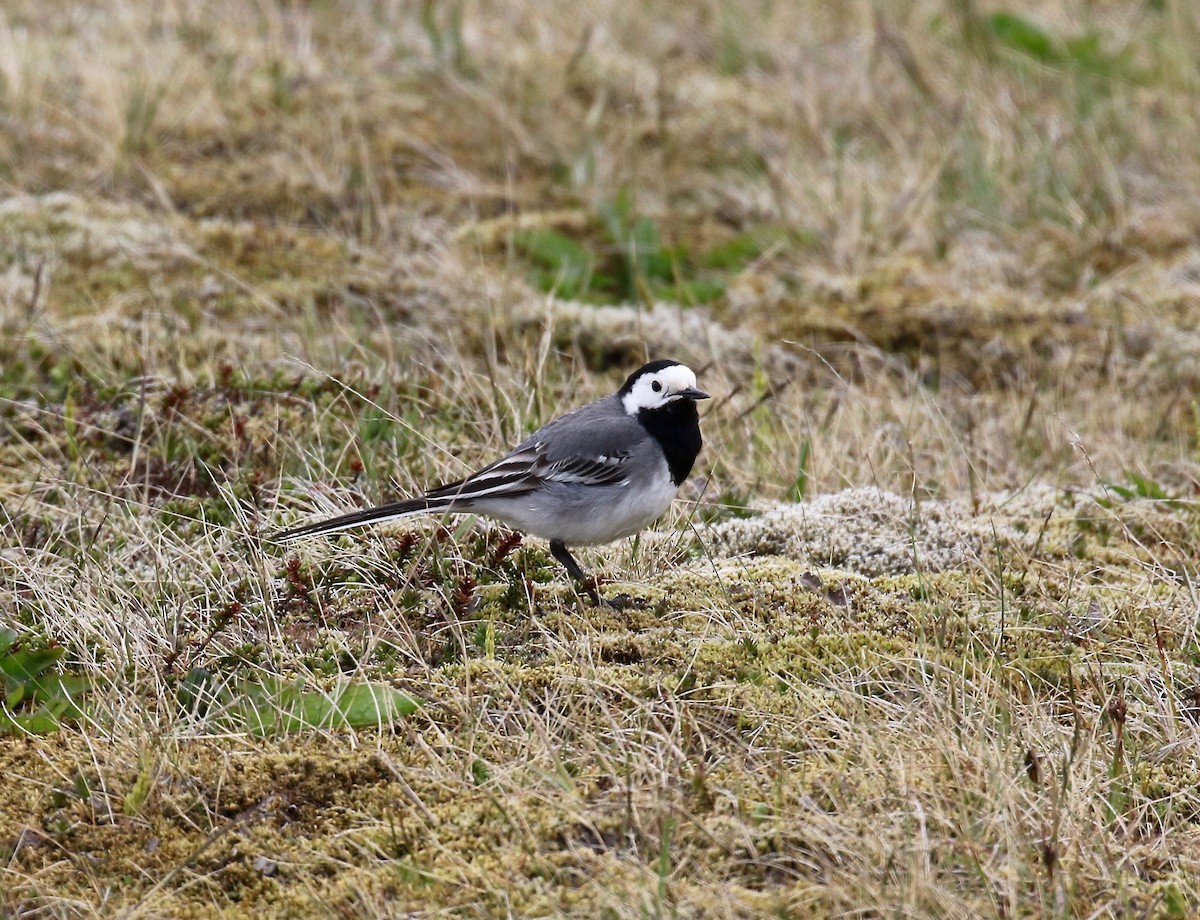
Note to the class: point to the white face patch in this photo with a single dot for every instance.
(650, 391)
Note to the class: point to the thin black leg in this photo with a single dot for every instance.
(559, 551)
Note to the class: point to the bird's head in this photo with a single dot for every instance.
(659, 384)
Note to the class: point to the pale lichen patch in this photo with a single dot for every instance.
(867, 531)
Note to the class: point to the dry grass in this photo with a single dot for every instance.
(260, 261)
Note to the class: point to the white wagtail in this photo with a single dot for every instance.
(599, 473)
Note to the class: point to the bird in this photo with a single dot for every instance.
(598, 473)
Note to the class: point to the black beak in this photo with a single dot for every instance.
(693, 393)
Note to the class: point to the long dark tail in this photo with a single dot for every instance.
(377, 515)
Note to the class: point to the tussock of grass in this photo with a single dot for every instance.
(920, 637)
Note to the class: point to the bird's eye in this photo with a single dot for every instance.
(656, 386)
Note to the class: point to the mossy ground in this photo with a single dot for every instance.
(920, 638)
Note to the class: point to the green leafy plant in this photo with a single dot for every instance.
(1138, 486)
(799, 485)
(1022, 37)
(559, 263)
(642, 264)
(37, 695)
(443, 25)
(274, 706)
(1082, 52)
(622, 257)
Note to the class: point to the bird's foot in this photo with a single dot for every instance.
(592, 589)
(626, 602)
(621, 602)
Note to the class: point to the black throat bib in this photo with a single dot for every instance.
(676, 428)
